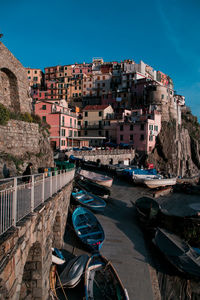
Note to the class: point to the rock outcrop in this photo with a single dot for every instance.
(177, 149)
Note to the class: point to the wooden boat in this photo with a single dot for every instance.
(57, 257)
(88, 228)
(92, 187)
(71, 275)
(155, 183)
(88, 200)
(97, 178)
(140, 178)
(178, 252)
(52, 282)
(102, 281)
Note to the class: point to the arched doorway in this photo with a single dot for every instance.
(9, 90)
(31, 285)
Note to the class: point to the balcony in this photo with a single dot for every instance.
(92, 126)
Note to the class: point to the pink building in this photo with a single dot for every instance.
(140, 130)
(63, 122)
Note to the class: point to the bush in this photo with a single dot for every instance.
(4, 115)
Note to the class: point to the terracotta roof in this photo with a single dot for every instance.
(95, 107)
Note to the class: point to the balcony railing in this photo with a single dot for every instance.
(19, 198)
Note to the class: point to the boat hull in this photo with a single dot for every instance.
(89, 200)
(155, 183)
(102, 281)
(97, 178)
(88, 228)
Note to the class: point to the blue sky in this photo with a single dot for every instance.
(164, 34)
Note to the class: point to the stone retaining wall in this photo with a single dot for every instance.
(105, 156)
(25, 252)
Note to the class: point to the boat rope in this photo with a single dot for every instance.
(61, 285)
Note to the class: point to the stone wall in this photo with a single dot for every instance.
(25, 252)
(105, 156)
(24, 142)
(14, 86)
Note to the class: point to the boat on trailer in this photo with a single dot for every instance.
(88, 200)
(97, 178)
(101, 280)
(88, 228)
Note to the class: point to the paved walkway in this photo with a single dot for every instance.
(124, 243)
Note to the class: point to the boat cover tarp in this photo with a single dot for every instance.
(132, 171)
(178, 252)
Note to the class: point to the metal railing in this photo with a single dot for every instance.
(19, 196)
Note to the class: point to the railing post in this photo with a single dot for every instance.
(43, 178)
(32, 193)
(50, 184)
(56, 180)
(14, 208)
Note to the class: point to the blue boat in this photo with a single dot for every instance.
(88, 228)
(88, 200)
(129, 172)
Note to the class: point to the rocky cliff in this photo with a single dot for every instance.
(177, 149)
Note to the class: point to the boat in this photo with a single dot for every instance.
(97, 178)
(52, 282)
(147, 211)
(101, 280)
(156, 183)
(71, 275)
(88, 228)
(134, 171)
(92, 187)
(57, 257)
(140, 178)
(88, 200)
(178, 252)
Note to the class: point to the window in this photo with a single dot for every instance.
(65, 68)
(121, 137)
(142, 127)
(151, 138)
(155, 127)
(35, 78)
(44, 119)
(85, 132)
(103, 84)
(70, 122)
(75, 133)
(100, 133)
(29, 77)
(35, 72)
(86, 113)
(131, 127)
(131, 137)
(43, 106)
(63, 121)
(80, 71)
(79, 87)
(162, 96)
(100, 113)
(28, 71)
(86, 123)
(79, 94)
(150, 127)
(142, 137)
(121, 127)
(63, 132)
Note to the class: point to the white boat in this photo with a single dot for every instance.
(155, 183)
(140, 178)
(57, 257)
(97, 178)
